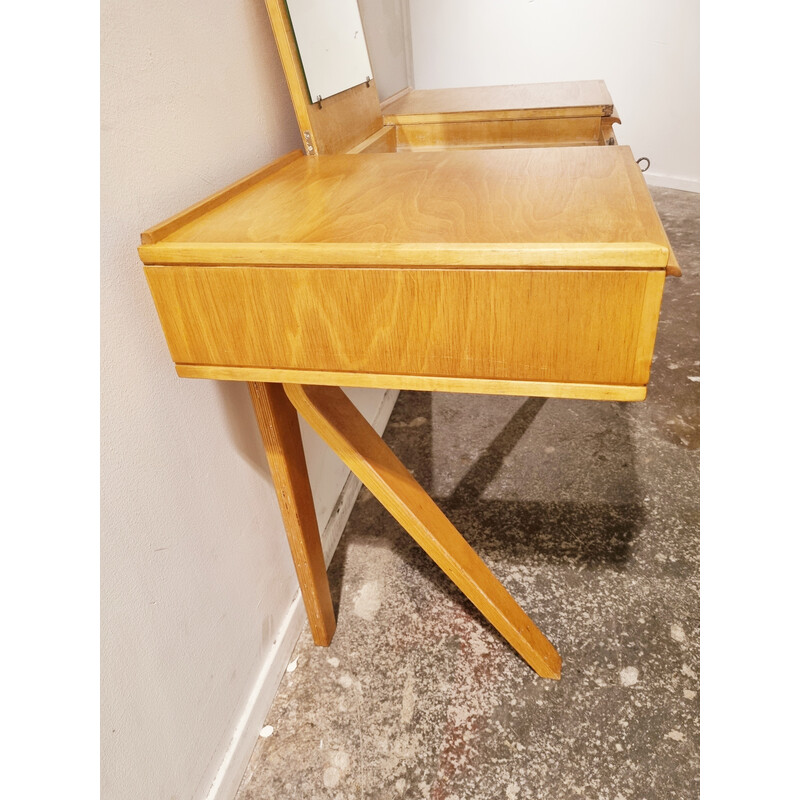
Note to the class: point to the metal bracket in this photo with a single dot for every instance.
(368, 80)
(319, 100)
(309, 142)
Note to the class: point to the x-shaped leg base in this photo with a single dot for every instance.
(331, 414)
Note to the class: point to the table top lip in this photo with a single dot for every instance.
(612, 255)
(167, 243)
(518, 101)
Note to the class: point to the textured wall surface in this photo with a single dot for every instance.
(385, 29)
(197, 580)
(647, 53)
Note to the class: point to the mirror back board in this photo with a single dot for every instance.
(341, 121)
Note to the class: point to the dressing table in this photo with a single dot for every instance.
(528, 271)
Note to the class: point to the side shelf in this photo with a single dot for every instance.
(573, 113)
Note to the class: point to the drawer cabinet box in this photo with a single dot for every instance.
(541, 270)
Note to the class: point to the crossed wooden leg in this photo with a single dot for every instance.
(339, 423)
(280, 432)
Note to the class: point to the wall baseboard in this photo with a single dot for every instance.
(237, 755)
(240, 748)
(671, 182)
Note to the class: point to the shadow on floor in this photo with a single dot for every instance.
(588, 509)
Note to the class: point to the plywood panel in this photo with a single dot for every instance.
(422, 383)
(536, 325)
(168, 226)
(522, 101)
(384, 141)
(504, 133)
(562, 206)
(344, 120)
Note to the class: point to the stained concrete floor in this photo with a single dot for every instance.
(588, 513)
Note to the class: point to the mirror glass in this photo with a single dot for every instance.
(331, 42)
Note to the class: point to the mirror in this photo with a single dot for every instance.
(331, 43)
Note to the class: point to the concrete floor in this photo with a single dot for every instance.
(588, 514)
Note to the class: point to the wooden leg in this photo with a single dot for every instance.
(339, 423)
(280, 432)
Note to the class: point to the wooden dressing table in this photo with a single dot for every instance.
(509, 271)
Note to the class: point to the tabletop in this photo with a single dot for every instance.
(554, 207)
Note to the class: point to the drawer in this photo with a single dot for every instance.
(565, 326)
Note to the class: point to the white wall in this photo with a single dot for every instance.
(199, 594)
(388, 42)
(647, 51)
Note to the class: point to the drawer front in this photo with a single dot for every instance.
(581, 326)
(501, 133)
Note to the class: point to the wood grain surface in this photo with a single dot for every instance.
(568, 326)
(345, 119)
(563, 206)
(280, 433)
(168, 226)
(422, 383)
(502, 133)
(383, 140)
(520, 101)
